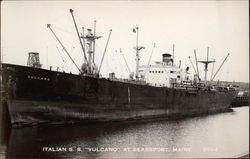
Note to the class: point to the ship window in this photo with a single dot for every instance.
(28, 76)
(41, 78)
(159, 71)
(149, 71)
(178, 76)
(152, 71)
(171, 71)
(48, 79)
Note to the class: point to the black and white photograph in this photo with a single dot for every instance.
(124, 79)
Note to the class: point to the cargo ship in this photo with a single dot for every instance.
(162, 90)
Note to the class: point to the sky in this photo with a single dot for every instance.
(220, 25)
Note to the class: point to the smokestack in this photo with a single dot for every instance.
(166, 58)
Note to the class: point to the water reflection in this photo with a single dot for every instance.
(218, 135)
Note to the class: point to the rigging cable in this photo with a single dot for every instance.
(128, 69)
(149, 59)
(110, 31)
(49, 26)
(61, 57)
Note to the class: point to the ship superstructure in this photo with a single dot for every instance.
(164, 73)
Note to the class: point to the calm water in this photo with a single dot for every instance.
(218, 135)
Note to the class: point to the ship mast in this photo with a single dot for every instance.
(206, 65)
(173, 53)
(212, 71)
(90, 37)
(137, 48)
(83, 41)
(196, 64)
(94, 42)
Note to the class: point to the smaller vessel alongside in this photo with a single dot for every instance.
(242, 99)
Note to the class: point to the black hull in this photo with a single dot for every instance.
(41, 96)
